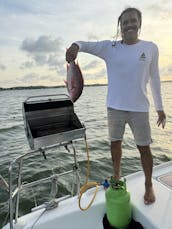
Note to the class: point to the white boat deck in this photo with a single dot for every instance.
(68, 215)
(158, 214)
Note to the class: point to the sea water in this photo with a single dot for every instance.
(91, 110)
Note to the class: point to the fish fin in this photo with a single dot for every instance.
(67, 66)
(78, 65)
(65, 81)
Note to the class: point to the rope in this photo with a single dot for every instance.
(48, 206)
(87, 184)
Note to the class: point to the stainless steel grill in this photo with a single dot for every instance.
(50, 120)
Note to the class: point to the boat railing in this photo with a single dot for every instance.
(15, 189)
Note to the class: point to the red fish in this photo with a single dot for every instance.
(74, 82)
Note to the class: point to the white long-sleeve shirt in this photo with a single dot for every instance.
(129, 69)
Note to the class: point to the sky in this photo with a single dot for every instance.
(34, 36)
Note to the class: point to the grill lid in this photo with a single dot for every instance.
(50, 120)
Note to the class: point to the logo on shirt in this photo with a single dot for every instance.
(142, 57)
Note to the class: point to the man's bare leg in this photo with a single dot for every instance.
(116, 153)
(147, 164)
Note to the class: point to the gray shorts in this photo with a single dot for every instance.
(138, 122)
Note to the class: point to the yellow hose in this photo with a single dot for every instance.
(87, 184)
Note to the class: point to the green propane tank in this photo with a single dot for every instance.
(118, 206)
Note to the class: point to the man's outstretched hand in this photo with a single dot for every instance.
(161, 118)
(71, 52)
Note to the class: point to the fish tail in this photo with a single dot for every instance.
(65, 81)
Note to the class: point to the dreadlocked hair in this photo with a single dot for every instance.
(119, 20)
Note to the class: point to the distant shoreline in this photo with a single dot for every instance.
(60, 86)
(44, 87)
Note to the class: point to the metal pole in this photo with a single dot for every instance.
(10, 197)
(30, 152)
(76, 170)
(18, 193)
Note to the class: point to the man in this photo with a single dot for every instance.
(130, 63)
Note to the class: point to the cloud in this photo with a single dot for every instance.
(19, 7)
(92, 37)
(27, 64)
(166, 71)
(97, 73)
(91, 65)
(2, 67)
(54, 60)
(162, 10)
(102, 73)
(44, 44)
(40, 58)
(43, 51)
(35, 79)
(29, 78)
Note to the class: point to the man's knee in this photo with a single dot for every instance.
(144, 149)
(116, 144)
